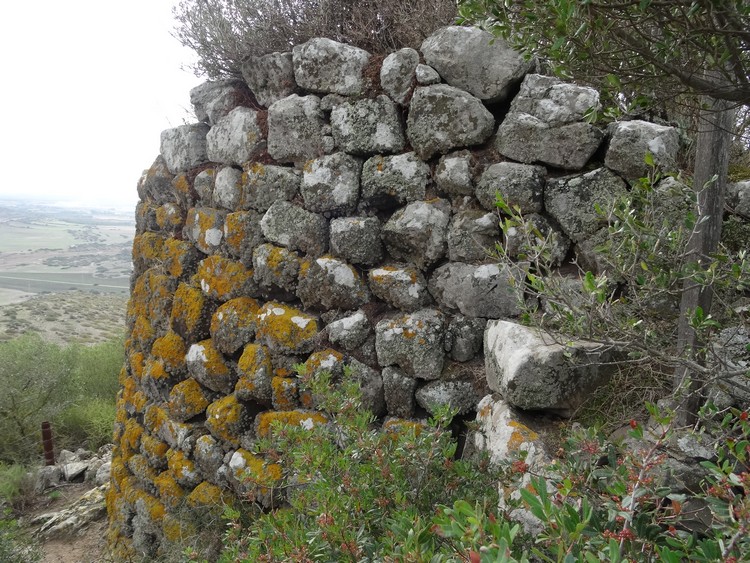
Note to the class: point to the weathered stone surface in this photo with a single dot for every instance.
(276, 267)
(475, 61)
(222, 279)
(350, 332)
(295, 228)
(553, 101)
(401, 285)
(399, 391)
(327, 66)
(357, 240)
(204, 227)
(738, 197)
(388, 181)
(504, 433)
(516, 238)
(330, 283)
(235, 138)
(459, 395)
(208, 367)
(527, 139)
(47, 476)
(255, 371)
(330, 184)
(371, 384)
(427, 76)
(587, 254)
(367, 127)
(227, 419)
(156, 183)
(242, 234)
(68, 523)
(732, 351)
(453, 175)
(227, 192)
(442, 118)
(520, 185)
(270, 77)
(188, 399)
(214, 99)
(472, 235)
(209, 457)
(571, 201)
(464, 338)
(413, 342)
(533, 372)
(203, 185)
(631, 140)
(478, 291)
(286, 329)
(265, 184)
(397, 74)
(295, 129)
(233, 324)
(184, 147)
(417, 233)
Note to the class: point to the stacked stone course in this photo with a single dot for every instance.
(337, 225)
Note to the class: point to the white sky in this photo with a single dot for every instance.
(88, 85)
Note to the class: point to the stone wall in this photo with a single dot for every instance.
(338, 209)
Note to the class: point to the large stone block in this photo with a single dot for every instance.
(489, 291)
(367, 127)
(214, 99)
(295, 129)
(227, 189)
(208, 367)
(417, 233)
(442, 118)
(270, 77)
(327, 66)
(631, 140)
(520, 185)
(402, 286)
(233, 324)
(350, 332)
(553, 101)
(571, 201)
(286, 329)
(264, 184)
(235, 138)
(397, 74)
(459, 395)
(476, 61)
(389, 181)
(329, 283)
(295, 228)
(533, 371)
(275, 267)
(204, 227)
(413, 342)
(184, 147)
(330, 184)
(357, 240)
(472, 235)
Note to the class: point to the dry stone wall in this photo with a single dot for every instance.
(335, 209)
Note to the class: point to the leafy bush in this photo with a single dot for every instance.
(86, 424)
(14, 545)
(225, 32)
(16, 484)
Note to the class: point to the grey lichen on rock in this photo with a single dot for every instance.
(367, 127)
(325, 66)
(295, 129)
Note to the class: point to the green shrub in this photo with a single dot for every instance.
(86, 424)
(15, 546)
(15, 484)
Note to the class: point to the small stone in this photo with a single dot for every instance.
(399, 391)
(226, 192)
(413, 342)
(397, 74)
(330, 184)
(265, 184)
(417, 233)
(357, 240)
(459, 395)
(402, 286)
(520, 185)
(329, 283)
(295, 228)
(349, 332)
(453, 174)
(389, 181)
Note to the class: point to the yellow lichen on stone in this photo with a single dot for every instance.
(154, 450)
(246, 467)
(265, 420)
(223, 279)
(284, 393)
(181, 185)
(176, 253)
(255, 371)
(208, 498)
(147, 248)
(243, 312)
(403, 426)
(136, 361)
(225, 419)
(170, 492)
(143, 332)
(151, 296)
(327, 359)
(286, 328)
(151, 504)
(139, 401)
(155, 370)
(190, 311)
(118, 472)
(182, 468)
(187, 399)
(169, 217)
(235, 231)
(521, 435)
(154, 418)
(177, 530)
(142, 471)
(130, 442)
(171, 350)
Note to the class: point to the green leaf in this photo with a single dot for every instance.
(648, 158)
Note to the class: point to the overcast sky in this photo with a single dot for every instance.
(87, 87)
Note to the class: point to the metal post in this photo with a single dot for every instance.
(49, 450)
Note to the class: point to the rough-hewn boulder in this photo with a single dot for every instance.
(265, 184)
(327, 66)
(235, 138)
(459, 395)
(476, 61)
(413, 342)
(534, 372)
(520, 185)
(442, 118)
(329, 283)
(184, 147)
(295, 228)
(417, 232)
(357, 239)
(631, 140)
(227, 190)
(270, 77)
(453, 175)
(397, 74)
(472, 235)
(402, 286)
(214, 99)
(350, 332)
(367, 127)
(295, 129)
(330, 184)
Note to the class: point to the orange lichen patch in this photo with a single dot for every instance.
(207, 365)
(155, 370)
(223, 279)
(284, 393)
(122, 375)
(251, 469)
(187, 399)
(240, 313)
(181, 185)
(285, 328)
(328, 360)
(209, 496)
(147, 248)
(521, 435)
(205, 226)
(130, 442)
(154, 418)
(182, 468)
(306, 398)
(136, 361)
(402, 426)
(151, 298)
(179, 255)
(118, 472)
(304, 267)
(191, 312)
(255, 371)
(139, 401)
(226, 419)
(151, 505)
(129, 389)
(265, 420)
(235, 231)
(169, 217)
(278, 258)
(143, 332)
(141, 470)
(177, 530)
(154, 450)
(169, 489)
(171, 350)
(130, 489)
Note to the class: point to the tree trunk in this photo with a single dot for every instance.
(709, 181)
